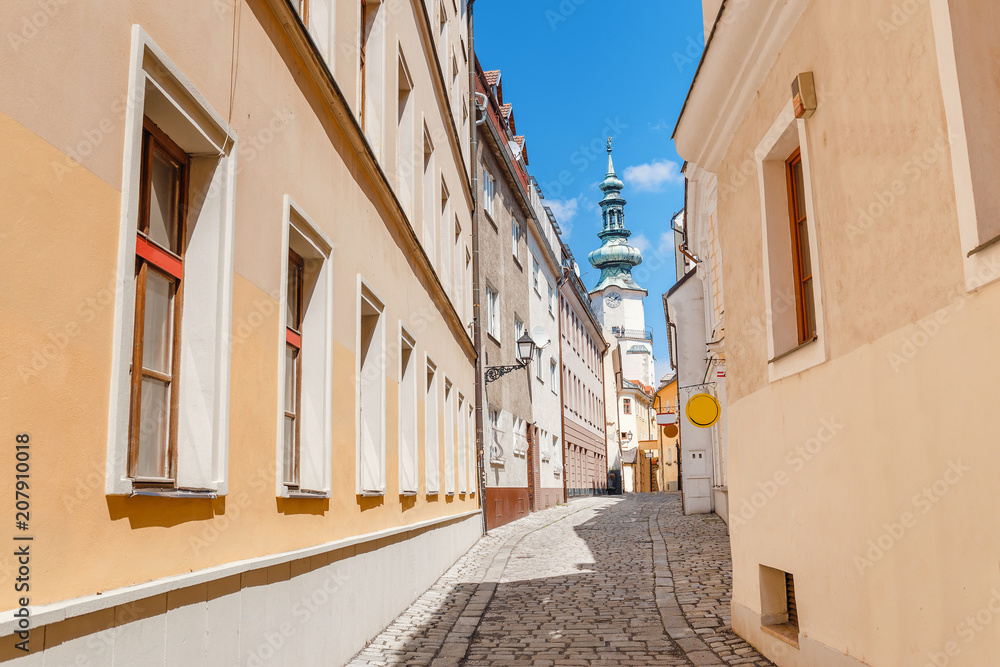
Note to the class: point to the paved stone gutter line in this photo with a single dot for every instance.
(457, 643)
(674, 620)
(698, 556)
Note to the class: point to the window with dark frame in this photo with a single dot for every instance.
(293, 371)
(159, 273)
(805, 306)
(627, 406)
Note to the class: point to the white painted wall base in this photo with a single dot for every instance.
(720, 497)
(810, 653)
(319, 609)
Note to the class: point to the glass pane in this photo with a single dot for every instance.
(158, 322)
(800, 198)
(290, 469)
(163, 214)
(806, 264)
(810, 307)
(154, 429)
(294, 295)
(291, 371)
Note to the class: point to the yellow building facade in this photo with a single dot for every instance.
(238, 322)
(856, 229)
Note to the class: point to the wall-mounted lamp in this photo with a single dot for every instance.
(525, 350)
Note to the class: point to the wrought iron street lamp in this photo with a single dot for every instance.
(525, 350)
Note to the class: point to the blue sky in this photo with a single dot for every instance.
(577, 71)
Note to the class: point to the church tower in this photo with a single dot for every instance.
(617, 298)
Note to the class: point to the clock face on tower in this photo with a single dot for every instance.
(613, 299)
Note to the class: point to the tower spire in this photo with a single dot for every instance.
(615, 258)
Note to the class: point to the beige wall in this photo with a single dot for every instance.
(58, 261)
(829, 464)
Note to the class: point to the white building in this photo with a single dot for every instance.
(618, 302)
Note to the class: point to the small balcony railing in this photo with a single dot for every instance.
(633, 334)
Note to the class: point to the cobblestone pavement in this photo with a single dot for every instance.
(601, 581)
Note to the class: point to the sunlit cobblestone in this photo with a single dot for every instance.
(602, 581)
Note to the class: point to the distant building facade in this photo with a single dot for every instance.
(503, 282)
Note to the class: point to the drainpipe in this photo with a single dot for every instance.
(562, 403)
(477, 330)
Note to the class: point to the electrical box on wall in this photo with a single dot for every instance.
(804, 95)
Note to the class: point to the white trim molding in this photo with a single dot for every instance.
(786, 357)
(158, 89)
(301, 234)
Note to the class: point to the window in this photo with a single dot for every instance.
(493, 313)
(432, 443)
(293, 370)
(779, 614)
(552, 301)
(449, 438)
(518, 328)
(515, 237)
(470, 438)
(538, 364)
(405, 158)
(317, 16)
(544, 444)
(627, 406)
(805, 308)
(408, 482)
(495, 436)
(462, 447)
(372, 65)
(556, 456)
(535, 270)
(489, 186)
(168, 422)
(444, 266)
(792, 274)
(430, 209)
(305, 367)
(371, 392)
(552, 375)
(159, 267)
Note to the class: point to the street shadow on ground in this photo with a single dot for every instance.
(572, 590)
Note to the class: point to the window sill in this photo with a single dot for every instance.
(517, 262)
(175, 493)
(408, 494)
(372, 494)
(307, 495)
(489, 216)
(793, 350)
(785, 632)
(983, 246)
(493, 338)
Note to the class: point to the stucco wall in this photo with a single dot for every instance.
(840, 474)
(59, 260)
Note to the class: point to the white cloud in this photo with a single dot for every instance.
(564, 209)
(654, 175)
(641, 241)
(666, 245)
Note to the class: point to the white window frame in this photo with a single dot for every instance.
(515, 238)
(462, 447)
(785, 135)
(489, 192)
(979, 268)
(493, 312)
(156, 87)
(366, 293)
(432, 450)
(450, 392)
(404, 488)
(304, 236)
(553, 375)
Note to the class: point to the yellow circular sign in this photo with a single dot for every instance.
(703, 410)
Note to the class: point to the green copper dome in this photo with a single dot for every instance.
(615, 258)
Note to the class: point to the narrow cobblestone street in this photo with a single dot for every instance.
(601, 581)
